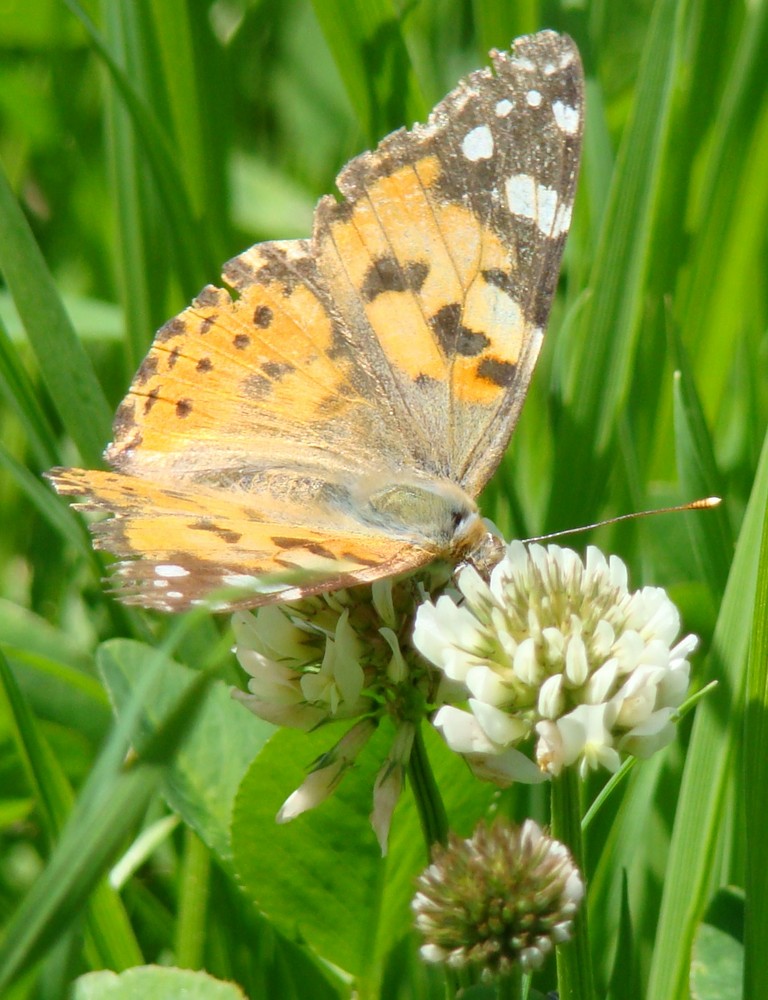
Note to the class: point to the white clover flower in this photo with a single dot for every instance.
(342, 655)
(502, 898)
(328, 771)
(556, 646)
(389, 782)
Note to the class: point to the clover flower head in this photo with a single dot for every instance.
(504, 897)
(557, 647)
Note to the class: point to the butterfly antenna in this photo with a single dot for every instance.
(705, 504)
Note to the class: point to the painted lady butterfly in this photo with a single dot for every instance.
(332, 421)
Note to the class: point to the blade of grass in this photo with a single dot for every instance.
(64, 365)
(599, 373)
(370, 53)
(110, 805)
(20, 394)
(42, 497)
(191, 255)
(699, 477)
(110, 939)
(714, 738)
(756, 784)
(729, 211)
(182, 82)
(128, 182)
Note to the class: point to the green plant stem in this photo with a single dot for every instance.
(510, 987)
(574, 965)
(193, 904)
(429, 802)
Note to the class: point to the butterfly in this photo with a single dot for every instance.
(329, 418)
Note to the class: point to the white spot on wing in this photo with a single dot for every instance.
(169, 571)
(478, 144)
(547, 208)
(487, 307)
(563, 218)
(521, 195)
(520, 62)
(533, 97)
(567, 118)
(174, 595)
(539, 203)
(503, 108)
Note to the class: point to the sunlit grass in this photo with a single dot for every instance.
(143, 149)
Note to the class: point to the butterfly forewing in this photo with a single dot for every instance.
(445, 256)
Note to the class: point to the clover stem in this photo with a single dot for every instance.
(429, 802)
(574, 964)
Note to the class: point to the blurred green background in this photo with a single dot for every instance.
(143, 144)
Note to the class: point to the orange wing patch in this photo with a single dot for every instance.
(431, 281)
(221, 377)
(195, 546)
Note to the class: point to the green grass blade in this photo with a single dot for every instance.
(39, 493)
(756, 785)
(373, 61)
(599, 373)
(109, 807)
(729, 212)
(132, 201)
(110, 936)
(699, 477)
(714, 740)
(19, 391)
(64, 365)
(190, 255)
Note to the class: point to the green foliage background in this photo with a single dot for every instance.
(143, 144)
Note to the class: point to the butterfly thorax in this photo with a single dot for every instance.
(432, 511)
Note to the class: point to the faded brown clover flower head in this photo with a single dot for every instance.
(503, 897)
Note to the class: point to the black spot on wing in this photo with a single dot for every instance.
(173, 328)
(183, 408)
(277, 369)
(262, 317)
(147, 370)
(501, 373)
(240, 341)
(357, 558)
(453, 336)
(386, 274)
(302, 543)
(275, 265)
(204, 365)
(225, 534)
(502, 280)
(150, 399)
(210, 296)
